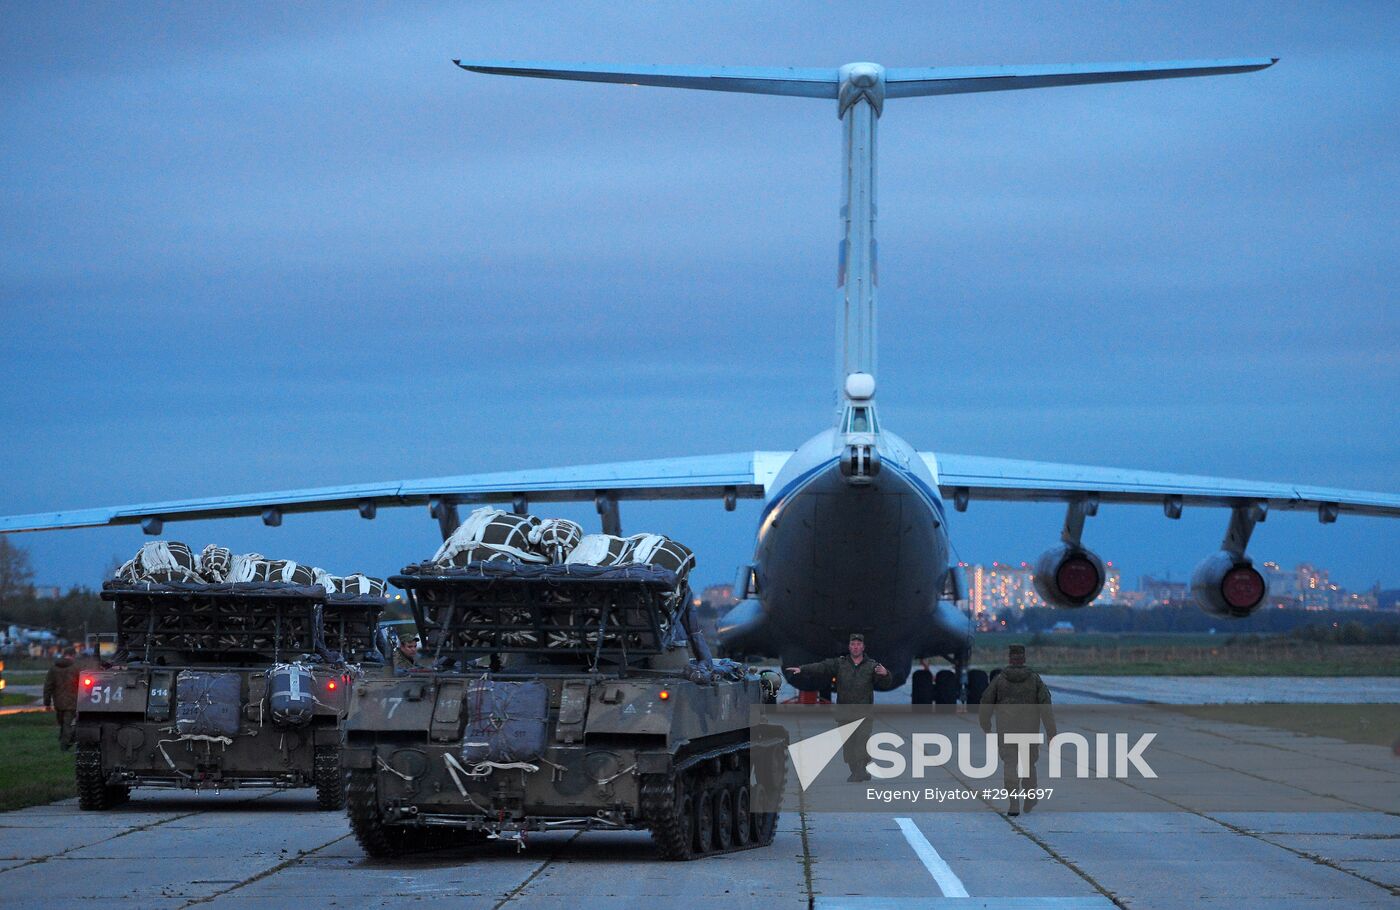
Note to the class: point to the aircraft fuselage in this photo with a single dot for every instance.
(837, 554)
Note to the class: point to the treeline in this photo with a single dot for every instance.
(67, 615)
(1314, 625)
(1350, 632)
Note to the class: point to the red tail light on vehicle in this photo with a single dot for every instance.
(87, 681)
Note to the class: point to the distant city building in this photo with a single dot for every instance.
(1163, 592)
(1307, 587)
(1135, 599)
(1004, 586)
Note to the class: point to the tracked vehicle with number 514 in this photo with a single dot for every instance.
(222, 686)
(561, 697)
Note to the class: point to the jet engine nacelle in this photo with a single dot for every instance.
(1068, 576)
(1227, 584)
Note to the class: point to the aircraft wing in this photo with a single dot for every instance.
(965, 477)
(741, 475)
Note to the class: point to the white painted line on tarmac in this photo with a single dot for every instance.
(948, 883)
(1097, 902)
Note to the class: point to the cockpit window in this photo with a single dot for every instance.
(860, 420)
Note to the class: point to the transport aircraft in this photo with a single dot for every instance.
(854, 529)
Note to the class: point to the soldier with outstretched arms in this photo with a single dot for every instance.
(858, 678)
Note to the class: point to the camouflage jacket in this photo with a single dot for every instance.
(1020, 701)
(856, 684)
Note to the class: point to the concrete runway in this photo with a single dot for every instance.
(274, 850)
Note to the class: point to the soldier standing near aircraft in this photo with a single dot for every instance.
(61, 694)
(857, 679)
(1020, 701)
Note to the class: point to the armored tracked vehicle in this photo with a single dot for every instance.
(560, 697)
(218, 686)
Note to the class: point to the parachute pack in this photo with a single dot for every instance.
(569, 614)
(494, 535)
(170, 561)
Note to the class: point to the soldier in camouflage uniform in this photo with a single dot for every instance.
(61, 694)
(405, 656)
(1020, 701)
(857, 679)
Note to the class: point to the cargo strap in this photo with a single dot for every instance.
(453, 767)
(188, 736)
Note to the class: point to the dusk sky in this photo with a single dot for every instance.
(258, 247)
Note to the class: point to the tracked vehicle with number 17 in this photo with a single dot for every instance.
(560, 697)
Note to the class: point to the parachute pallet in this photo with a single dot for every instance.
(264, 621)
(614, 612)
(348, 624)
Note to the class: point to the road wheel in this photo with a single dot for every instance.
(977, 682)
(921, 687)
(705, 820)
(743, 824)
(330, 779)
(724, 818)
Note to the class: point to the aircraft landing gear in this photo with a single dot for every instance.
(945, 691)
(948, 687)
(977, 683)
(921, 686)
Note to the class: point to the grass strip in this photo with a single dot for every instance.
(1375, 725)
(33, 770)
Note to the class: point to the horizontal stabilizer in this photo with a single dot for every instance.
(908, 82)
(958, 80)
(760, 80)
